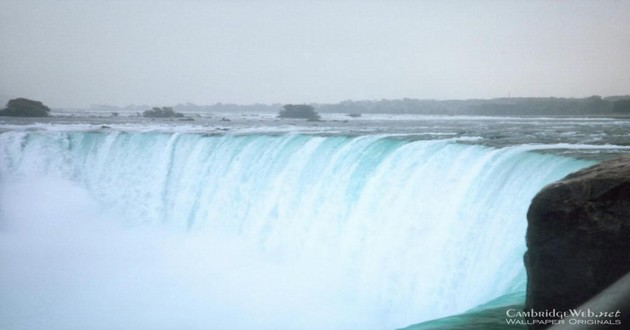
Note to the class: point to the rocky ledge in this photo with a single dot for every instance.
(578, 238)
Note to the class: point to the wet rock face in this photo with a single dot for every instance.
(578, 237)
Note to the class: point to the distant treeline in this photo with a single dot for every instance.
(494, 107)
(593, 105)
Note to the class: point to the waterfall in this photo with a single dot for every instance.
(287, 231)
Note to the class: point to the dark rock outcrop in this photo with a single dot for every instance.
(578, 237)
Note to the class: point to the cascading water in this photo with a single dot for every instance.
(120, 230)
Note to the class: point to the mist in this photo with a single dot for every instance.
(70, 264)
(78, 53)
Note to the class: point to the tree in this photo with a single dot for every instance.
(621, 106)
(298, 111)
(164, 112)
(594, 104)
(22, 107)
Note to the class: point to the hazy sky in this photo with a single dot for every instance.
(77, 53)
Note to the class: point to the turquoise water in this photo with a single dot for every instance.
(148, 230)
(494, 315)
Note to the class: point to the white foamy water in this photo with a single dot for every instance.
(149, 230)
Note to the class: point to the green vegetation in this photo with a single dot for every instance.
(299, 111)
(22, 107)
(621, 106)
(164, 112)
(509, 106)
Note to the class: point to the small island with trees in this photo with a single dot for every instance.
(163, 112)
(22, 107)
(303, 111)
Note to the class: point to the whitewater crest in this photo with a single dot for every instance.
(293, 230)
